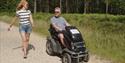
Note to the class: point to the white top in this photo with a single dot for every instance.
(23, 16)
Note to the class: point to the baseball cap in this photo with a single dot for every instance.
(57, 9)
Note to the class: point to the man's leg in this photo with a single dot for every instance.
(61, 36)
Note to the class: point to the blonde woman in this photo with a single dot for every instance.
(25, 24)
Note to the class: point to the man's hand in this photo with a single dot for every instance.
(60, 29)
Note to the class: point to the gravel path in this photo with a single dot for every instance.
(10, 48)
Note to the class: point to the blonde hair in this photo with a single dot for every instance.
(21, 4)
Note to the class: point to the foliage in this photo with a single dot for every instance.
(69, 6)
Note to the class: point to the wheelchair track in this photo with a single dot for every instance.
(10, 48)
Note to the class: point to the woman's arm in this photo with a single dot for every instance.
(13, 21)
(31, 20)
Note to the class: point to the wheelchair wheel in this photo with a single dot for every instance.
(86, 58)
(66, 58)
(49, 48)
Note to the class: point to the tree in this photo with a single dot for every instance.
(86, 4)
(61, 4)
(67, 10)
(47, 6)
(68, 6)
(107, 5)
(35, 6)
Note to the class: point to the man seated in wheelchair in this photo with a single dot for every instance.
(59, 24)
(68, 37)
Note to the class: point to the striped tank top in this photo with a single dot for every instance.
(24, 16)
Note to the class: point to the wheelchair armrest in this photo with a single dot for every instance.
(70, 27)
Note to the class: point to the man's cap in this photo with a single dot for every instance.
(57, 9)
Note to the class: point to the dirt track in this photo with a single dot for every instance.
(10, 48)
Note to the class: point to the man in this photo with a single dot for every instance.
(59, 23)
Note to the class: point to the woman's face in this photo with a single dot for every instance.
(26, 6)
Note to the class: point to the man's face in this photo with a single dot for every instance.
(57, 13)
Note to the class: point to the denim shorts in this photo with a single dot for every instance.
(25, 28)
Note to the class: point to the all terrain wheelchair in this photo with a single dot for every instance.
(75, 52)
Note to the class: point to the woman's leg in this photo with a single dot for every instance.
(29, 30)
(27, 38)
(24, 42)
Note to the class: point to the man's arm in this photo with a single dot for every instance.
(67, 24)
(56, 27)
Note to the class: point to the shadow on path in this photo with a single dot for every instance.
(30, 47)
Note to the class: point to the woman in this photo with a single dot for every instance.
(25, 24)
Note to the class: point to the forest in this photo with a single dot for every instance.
(116, 7)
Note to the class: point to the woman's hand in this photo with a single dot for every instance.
(9, 27)
(33, 25)
(13, 21)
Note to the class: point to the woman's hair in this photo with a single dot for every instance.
(21, 4)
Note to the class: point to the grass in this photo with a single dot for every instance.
(104, 36)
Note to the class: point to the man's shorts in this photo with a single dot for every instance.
(25, 28)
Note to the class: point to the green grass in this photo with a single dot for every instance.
(104, 36)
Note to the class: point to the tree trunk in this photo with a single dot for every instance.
(40, 5)
(61, 5)
(47, 5)
(85, 6)
(35, 6)
(67, 10)
(107, 4)
(77, 9)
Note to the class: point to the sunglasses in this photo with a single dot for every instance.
(57, 12)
